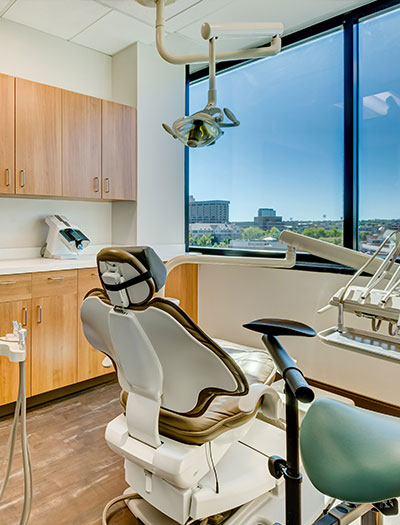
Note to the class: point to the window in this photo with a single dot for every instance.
(318, 148)
(379, 128)
(282, 168)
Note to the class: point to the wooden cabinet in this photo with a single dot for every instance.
(7, 172)
(9, 372)
(57, 143)
(118, 151)
(89, 359)
(54, 330)
(81, 146)
(182, 284)
(38, 139)
(15, 287)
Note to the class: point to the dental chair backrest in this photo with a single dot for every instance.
(162, 358)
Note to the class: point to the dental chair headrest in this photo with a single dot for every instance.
(130, 276)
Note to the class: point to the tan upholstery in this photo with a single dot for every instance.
(223, 412)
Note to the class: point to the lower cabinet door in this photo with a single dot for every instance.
(54, 342)
(9, 372)
(89, 359)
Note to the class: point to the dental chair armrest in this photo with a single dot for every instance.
(271, 403)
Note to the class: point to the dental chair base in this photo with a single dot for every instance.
(242, 478)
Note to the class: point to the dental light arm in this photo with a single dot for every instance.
(204, 127)
(269, 30)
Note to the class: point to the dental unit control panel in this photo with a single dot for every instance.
(64, 240)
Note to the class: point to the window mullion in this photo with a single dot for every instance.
(350, 201)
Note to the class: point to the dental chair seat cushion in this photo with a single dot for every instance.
(223, 412)
(257, 365)
(350, 453)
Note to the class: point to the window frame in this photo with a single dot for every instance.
(349, 23)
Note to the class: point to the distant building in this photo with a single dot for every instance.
(267, 218)
(219, 231)
(269, 243)
(210, 212)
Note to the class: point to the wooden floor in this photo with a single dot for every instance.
(74, 472)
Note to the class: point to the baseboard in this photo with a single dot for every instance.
(46, 397)
(359, 399)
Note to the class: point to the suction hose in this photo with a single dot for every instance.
(20, 412)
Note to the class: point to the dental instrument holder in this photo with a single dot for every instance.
(377, 304)
(64, 240)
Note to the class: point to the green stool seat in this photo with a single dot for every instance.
(350, 453)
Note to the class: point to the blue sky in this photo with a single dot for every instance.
(287, 153)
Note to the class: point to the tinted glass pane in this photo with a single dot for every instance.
(283, 167)
(379, 128)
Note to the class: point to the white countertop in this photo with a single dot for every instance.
(13, 266)
(39, 264)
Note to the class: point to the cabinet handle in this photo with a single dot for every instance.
(96, 184)
(23, 178)
(8, 177)
(40, 314)
(8, 282)
(107, 185)
(55, 278)
(95, 274)
(25, 312)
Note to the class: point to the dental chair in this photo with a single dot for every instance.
(192, 444)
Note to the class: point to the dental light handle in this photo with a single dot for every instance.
(13, 346)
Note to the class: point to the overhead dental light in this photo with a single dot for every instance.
(205, 127)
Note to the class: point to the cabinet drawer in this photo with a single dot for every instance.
(15, 287)
(88, 278)
(48, 284)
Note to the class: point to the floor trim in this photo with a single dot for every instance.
(359, 399)
(46, 397)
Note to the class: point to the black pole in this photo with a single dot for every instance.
(293, 477)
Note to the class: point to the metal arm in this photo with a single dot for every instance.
(258, 52)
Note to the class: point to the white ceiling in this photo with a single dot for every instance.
(109, 26)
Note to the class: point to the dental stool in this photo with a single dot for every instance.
(188, 401)
(356, 457)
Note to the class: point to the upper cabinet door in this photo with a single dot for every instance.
(81, 116)
(119, 151)
(7, 174)
(38, 139)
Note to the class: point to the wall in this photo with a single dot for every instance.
(158, 90)
(36, 56)
(31, 54)
(25, 230)
(231, 296)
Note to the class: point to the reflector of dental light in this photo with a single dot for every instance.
(203, 128)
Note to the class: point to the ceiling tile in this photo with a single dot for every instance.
(4, 4)
(198, 12)
(62, 18)
(114, 32)
(292, 13)
(146, 14)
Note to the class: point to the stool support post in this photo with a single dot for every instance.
(292, 474)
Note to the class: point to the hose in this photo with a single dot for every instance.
(123, 497)
(20, 411)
